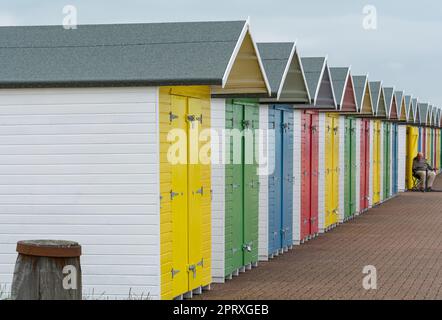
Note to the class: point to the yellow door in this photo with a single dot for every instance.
(437, 148)
(185, 190)
(331, 170)
(412, 149)
(376, 162)
(336, 171)
(196, 191)
(178, 197)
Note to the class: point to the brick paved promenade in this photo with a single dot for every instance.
(401, 238)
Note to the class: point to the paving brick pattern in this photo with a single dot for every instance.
(402, 238)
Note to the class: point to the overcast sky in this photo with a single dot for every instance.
(404, 51)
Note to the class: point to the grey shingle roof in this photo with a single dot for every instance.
(388, 95)
(275, 57)
(313, 67)
(339, 77)
(408, 106)
(423, 108)
(430, 114)
(407, 102)
(375, 89)
(399, 95)
(359, 83)
(414, 108)
(153, 54)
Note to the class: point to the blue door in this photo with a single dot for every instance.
(281, 180)
(275, 209)
(394, 158)
(287, 175)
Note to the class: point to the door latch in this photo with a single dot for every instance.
(201, 263)
(247, 247)
(192, 268)
(246, 124)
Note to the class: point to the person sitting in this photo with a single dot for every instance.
(424, 171)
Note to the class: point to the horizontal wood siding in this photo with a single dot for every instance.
(82, 165)
(218, 115)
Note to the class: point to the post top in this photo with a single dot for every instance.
(49, 248)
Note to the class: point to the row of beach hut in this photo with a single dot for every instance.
(89, 119)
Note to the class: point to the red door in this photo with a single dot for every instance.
(305, 176)
(314, 153)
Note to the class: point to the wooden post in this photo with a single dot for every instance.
(47, 270)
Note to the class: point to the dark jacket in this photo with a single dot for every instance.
(421, 165)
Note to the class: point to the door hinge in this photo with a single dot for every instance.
(199, 191)
(174, 272)
(173, 194)
(172, 116)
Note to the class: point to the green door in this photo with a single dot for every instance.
(251, 189)
(350, 167)
(387, 160)
(241, 191)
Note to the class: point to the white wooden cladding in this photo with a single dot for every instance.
(82, 165)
